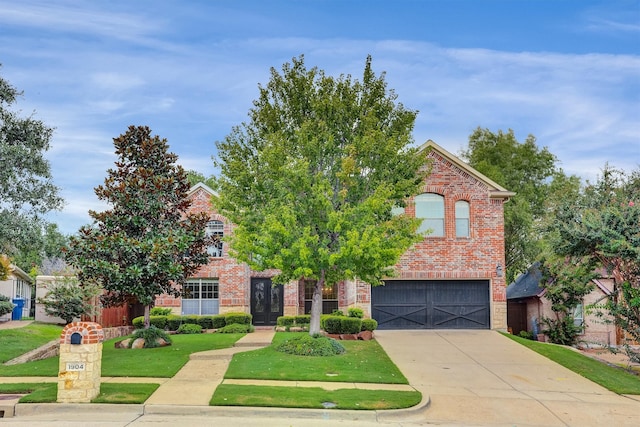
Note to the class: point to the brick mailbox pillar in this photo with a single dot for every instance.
(80, 362)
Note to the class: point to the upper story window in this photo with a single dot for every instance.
(215, 229)
(430, 207)
(462, 218)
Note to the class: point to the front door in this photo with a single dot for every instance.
(266, 302)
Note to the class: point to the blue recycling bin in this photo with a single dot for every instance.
(16, 314)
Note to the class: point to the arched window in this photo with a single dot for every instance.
(430, 207)
(215, 229)
(462, 219)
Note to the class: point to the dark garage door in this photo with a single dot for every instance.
(448, 304)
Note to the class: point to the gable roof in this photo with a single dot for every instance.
(527, 284)
(201, 186)
(496, 191)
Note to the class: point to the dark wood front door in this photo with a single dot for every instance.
(266, 302)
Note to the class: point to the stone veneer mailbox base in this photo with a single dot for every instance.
(80, 362)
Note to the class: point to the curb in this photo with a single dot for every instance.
(391, 415)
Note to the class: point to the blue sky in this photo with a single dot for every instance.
(565, 71)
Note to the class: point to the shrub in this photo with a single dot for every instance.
(189, 328)
(355, 312)
(206, 322)
(236, 328)
(191, 318)
(526, 334)
(173, 322)
(150, 336)
(337, 313)
(68, 299)
(160, 311)
(159, 322)
(6, 306)
(241, 318)
(369, 324)
(350, 325)
(306, 345)
(285, 321)
(219, 321)
(562, 331)
(302, 319)
(332, 324)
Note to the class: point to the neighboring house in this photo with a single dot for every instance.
(452, 279)
(527, 305)
(17, 285)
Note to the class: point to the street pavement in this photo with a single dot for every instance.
(467, 378)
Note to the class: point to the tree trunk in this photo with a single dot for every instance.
(316, 306)
(147, 316)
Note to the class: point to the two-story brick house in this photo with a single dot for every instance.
(452, 279)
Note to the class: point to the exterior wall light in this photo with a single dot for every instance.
(499, 270)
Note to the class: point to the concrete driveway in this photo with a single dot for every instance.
(483, 378)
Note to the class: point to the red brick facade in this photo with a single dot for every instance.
(479, 256)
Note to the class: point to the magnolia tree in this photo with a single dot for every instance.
(311, 178)
(147, 244)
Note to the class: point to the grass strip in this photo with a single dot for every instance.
(364, 362)
(125, 393)
(109, 392)
(612, 378)
(313, 397)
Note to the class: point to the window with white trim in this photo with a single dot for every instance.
(215, 229)
(200, 296)
(462, 218)
(578, 316)
(430, 207)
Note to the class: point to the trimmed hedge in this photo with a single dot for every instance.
(172, 322)
(302, 319)
(219, 321)
(159, 322)
(239, 318)
(369, 324)
(236, 328)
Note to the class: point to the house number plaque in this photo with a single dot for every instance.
(75, 366)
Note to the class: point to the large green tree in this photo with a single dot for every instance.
(526, 169)
(147, 244)
(603, 225)
(311, 178)
(27, 190)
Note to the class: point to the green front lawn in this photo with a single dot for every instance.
(364, 362)
(16, 342)
(615, 379)
(162, 362)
